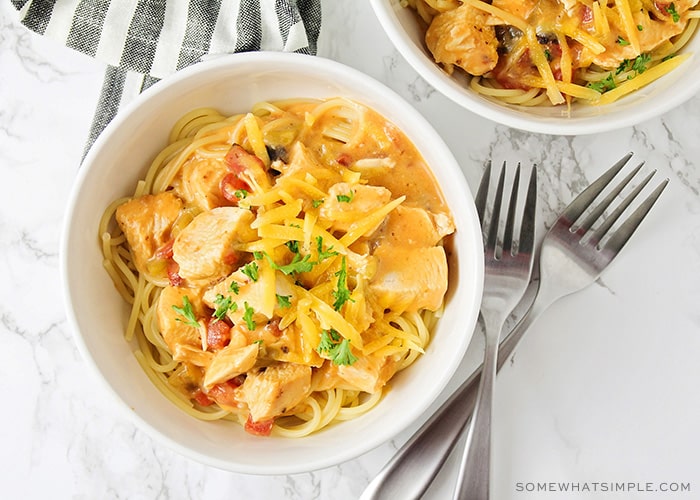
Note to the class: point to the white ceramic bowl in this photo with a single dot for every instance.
(403, 29)
(98, 316)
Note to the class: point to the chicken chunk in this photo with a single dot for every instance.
(146, 222)
(256, 293)
(300, 160)
(201, 181)
(652, 34)
(348, 203)
(172, 325)
(230, 362)
(409, 279)
(415, 227)
(369, 373)
(272, 391)
(463, 37)
(204, 249)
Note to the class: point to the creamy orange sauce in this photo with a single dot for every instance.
(535, 44)
(296, 250)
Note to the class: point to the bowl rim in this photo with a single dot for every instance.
(565, 126)
(310, 65)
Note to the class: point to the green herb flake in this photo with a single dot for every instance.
(639, 65)
(252, 271)
(346, 198)
(298, 264)
(240, 193)
(248, 316)
(671, 9)
(223, 305)
(317, 203)
(186, 312)
(326, 344)
(234, 287)
(293, 246)
(342, 354)
(337, 350)
(341, 292)
(324, 254)
(283, 301)
(622, 41)
(548, 54)
(603, 85)
(640, 27)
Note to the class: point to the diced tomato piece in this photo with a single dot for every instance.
(173, 270)
(273, 326)
(262, 428)
(166, 251)
(218, 334)
(201, 399)
(239, 160)
(230, 258)
(344, 159)
(231, 185)
(225, 392)
(587, 15)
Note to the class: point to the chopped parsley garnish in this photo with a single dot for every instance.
(223, 305)
(234, 287)
(639, 65)
(248, 316)
(603, 85)
(342, 355)
(251, 270)
(671, 9)
(186, 312)
(326, 344)
(240, 193)
(283, 301)
(324, 254)
(317, 203)
(346, 198)
(293, 246)
(548, 54)
(337, 350)
(622, 41)
(341, 292)
(298, 264)
(640, 27)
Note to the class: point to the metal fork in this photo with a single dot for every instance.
(507, 268)
(584, 256)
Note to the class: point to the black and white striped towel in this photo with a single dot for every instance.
(143, 41)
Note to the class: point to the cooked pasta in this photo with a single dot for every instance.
(282, 264)
(552, 52)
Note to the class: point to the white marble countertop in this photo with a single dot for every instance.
(603, 391)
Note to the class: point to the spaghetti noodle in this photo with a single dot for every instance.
(551, 52)
(282, 265)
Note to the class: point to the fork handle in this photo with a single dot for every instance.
(424, 454)
(475, 470)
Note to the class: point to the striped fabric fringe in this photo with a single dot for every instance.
(143, 41)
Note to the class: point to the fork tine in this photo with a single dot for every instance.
(625, 231)
(482, 193)
(496, 215)
(600, 208)
(510, 218)
(612, 218)
(584, 200)
(527, 226)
